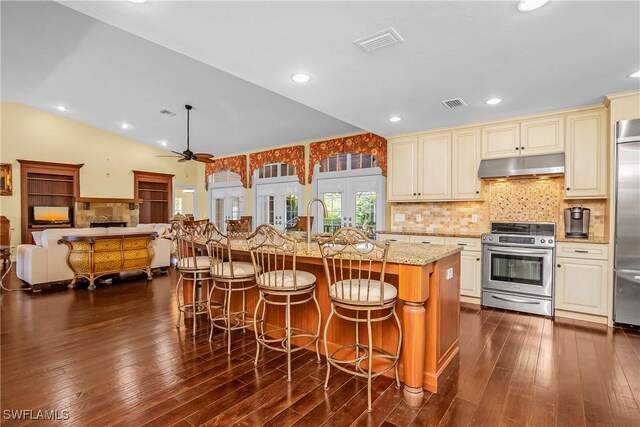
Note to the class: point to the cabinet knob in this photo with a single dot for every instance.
(477, 192)
(559, 265)
(517, 148)
(415, 194)
(568, 188)
(419, 194)
(477, 259)
(522, 148)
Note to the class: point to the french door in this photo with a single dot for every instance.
(354, 202)
(278, 204)
(226, 203)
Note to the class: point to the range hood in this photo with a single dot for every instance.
(546, 164)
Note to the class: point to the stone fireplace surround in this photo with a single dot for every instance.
(89, 210)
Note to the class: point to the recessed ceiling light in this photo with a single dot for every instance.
(493, 101)
(635, 75)
(126, 126)
(529, 5)
(301, 78)
(163, 143)
(138, 1)
(394, 119)
(61, 108)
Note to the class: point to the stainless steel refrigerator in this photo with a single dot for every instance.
(626, 302)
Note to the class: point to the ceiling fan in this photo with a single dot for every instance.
(187, 154)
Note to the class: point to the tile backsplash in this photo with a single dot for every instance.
(540, 200)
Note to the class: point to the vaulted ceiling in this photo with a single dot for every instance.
(115, 62)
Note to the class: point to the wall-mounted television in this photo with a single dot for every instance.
(51, 214)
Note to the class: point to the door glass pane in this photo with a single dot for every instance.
(268, 213)
(218, 205)
(334, 212)
(516, 268)
(235, 207)
(291, 210)
(365, 211)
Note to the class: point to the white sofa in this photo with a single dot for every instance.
(46, 261)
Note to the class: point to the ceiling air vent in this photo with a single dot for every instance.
(454, 103)
(168, 113)
(378, 40)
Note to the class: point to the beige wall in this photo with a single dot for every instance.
(33, 134)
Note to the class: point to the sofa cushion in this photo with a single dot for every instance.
(37, 237)
(51, 236)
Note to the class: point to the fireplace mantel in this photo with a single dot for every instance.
(105, 200)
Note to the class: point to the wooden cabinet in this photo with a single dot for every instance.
(156, 192)
(434, 167)
(581, 285)
(465, 184)
(542, 136)
(501, 140)
(47, 184)
(426, 167)
(582, 273)
(586, 155)
(403, 175)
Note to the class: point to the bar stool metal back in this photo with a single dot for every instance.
(281, 284)
(229, 276)
(192, 267)
(359, 294)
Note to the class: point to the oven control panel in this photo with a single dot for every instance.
(518, 240)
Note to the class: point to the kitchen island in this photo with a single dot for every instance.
(428, 282)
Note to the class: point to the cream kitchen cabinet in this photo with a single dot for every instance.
(544, 135)
(582, 273)
(502, 140)
(427, 240)
(402, 183)
(434, 167)
(402, 238)
(470, 265)
(465, 184)
(420, 168)
(586, 155)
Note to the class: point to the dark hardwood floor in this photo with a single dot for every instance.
(114, 357)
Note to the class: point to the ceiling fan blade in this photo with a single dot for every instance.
(183, 160)
(202, 155)
(204, 159)
(178, 153)
(172, 156)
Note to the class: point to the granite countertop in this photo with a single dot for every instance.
(414, 233)
(399, 253)
(590, 239)
(559, 238)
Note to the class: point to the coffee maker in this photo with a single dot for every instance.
(576, 221)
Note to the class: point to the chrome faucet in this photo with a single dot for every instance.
(324, 208)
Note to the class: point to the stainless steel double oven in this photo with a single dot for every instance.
(518, 267)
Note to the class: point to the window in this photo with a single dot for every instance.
(275, 170)
(332, 220)
(225, 176)
(226, 198)
(291, 210)
(343, 162)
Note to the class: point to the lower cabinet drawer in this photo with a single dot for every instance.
(518, 303)
(428, 240)
(468, 244)
(582, 250)
(403, 238)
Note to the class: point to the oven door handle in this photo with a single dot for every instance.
(517, 251)
(516, 300)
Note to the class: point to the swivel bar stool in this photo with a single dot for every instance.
(192, 267)
(272, 252)
(357, 286)
(230, 277)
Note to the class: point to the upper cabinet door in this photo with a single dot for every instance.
(542, 136)
(434, 172)
(403, 174)
(465, 183)
(586, 155)
(501, 141)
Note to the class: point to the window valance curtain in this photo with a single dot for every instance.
(366, 143)
(236, 164)
(290, 155)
